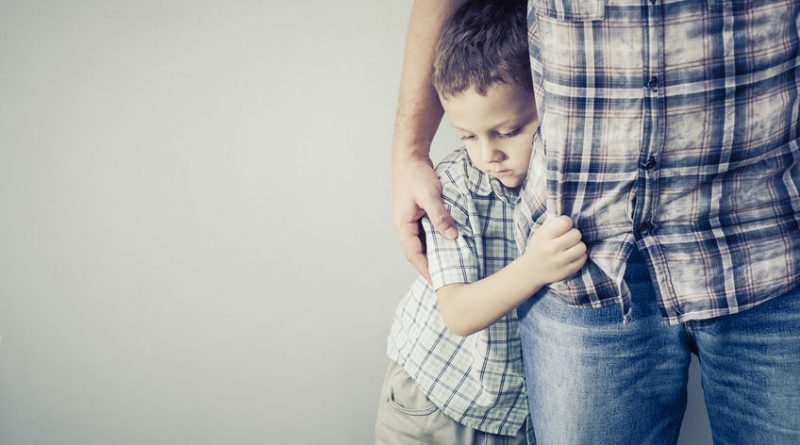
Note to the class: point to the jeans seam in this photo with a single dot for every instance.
(689, 328)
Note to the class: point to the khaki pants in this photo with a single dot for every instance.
(406, 416)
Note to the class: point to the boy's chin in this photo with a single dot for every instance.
(512, 184)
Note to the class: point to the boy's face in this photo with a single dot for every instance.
(497, 129)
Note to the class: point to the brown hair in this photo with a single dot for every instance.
(485, 42)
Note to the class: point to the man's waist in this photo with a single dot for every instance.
(697, 274)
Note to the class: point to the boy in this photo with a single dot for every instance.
(456, 372)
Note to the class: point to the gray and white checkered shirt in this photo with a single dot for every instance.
(477, 380)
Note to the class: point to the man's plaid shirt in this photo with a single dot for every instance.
(671, 125)
(477, 380)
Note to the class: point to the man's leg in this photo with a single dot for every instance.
(750, 365)
(593, 380)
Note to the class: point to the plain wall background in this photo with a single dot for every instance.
(195, 230)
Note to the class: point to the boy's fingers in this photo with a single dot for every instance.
(575, 266)
(569, 239)
(558, 226)
(576, 253)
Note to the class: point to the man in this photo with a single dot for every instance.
(669, 134)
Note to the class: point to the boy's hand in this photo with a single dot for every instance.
(416, 191)
(555, 251)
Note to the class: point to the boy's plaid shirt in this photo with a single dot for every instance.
(477, 380)
(671, 125)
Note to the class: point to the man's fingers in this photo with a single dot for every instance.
(441, 220)
(406, 215)
(414, 249)
(420, 263)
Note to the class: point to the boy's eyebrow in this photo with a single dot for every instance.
(513, 121)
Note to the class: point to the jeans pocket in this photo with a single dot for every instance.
(571, 10)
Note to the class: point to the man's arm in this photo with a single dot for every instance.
(555, 252)
(415, 187)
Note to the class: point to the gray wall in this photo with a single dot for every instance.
(195, 234)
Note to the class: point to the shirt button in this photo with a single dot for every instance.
(653, 83)
(651, 162)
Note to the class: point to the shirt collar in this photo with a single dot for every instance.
(484, 185)
(506, 194)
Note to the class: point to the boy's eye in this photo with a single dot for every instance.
(467, 137)
(509, 134)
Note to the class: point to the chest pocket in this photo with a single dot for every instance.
(572, 10)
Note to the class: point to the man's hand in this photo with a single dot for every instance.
(416, 191)
(555, 251)
(415, 187)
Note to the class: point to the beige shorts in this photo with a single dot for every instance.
(406, 416)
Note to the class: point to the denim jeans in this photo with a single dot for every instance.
(593, 380)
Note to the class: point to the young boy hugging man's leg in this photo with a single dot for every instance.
(455, 375)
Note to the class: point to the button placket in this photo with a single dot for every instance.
(653, 85)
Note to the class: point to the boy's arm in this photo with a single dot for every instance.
(415, 188)
(555, 252)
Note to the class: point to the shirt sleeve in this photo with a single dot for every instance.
(452, 261)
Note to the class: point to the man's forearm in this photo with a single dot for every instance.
(419, 110)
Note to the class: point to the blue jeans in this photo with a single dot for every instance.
(593, 380)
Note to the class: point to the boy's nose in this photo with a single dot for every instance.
(489, 153)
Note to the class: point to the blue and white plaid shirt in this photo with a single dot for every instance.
(477, 380)
(671, 125)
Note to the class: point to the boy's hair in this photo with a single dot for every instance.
(485, 42)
